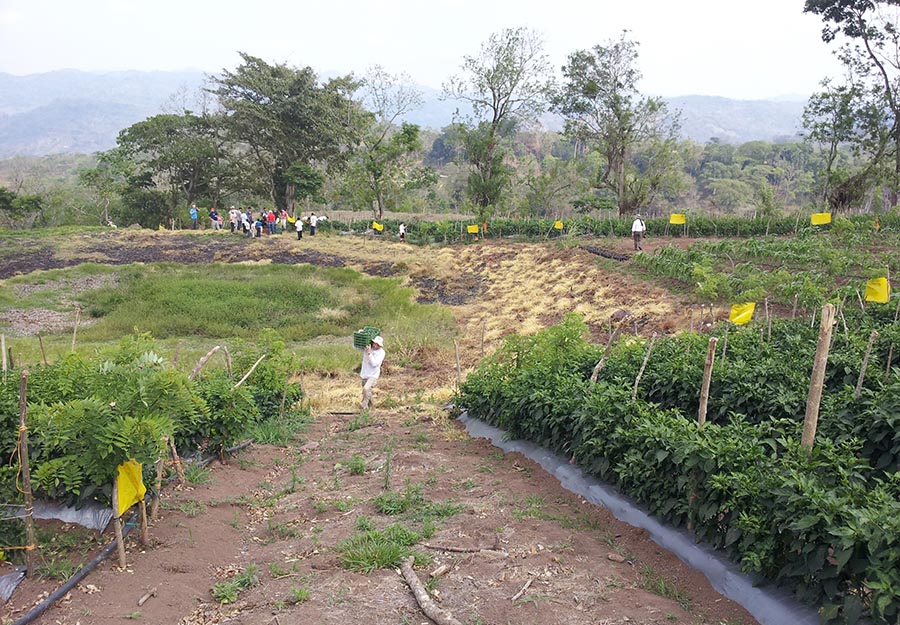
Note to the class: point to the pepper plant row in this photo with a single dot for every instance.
(825, 524)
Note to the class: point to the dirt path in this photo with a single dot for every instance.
(287, 510)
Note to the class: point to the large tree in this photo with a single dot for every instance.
(871, 53)
(604, 109)
(507, 83)
(279, 116)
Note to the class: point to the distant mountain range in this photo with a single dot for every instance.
(71, 111)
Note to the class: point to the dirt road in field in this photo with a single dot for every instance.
(513, 545)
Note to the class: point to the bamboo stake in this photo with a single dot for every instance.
(43, 353)
(203, 361)
(157, 487)
(887, 367)
(707, 376)
(458, 369)
(859, 297)
(247, 375)
(609, 345)
(794, 309)
(26, 473)
(3, 349)
(768, 323)
(725, 342)
(640, 374)
(117, 524)
(75, 329)
(817, 379)
(865, 364)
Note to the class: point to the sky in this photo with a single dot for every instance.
(747, 49)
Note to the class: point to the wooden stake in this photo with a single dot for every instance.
(75, 329)
(157, 487)
(145, 530)
(887, 367)
(794, 309)
(203, 361)
(26, 473)
(707, 376)
(43, 353)
(458, 369)
(3, 349)
(725, 342)
(228, 363)
(117, 524)
(177, 352)
(640, 374)
(609, 345)
(247, 375)
(817, 379)
(176, 460)
(482, 339)
(897, 311)
(865, 364)
(862, 306)
(768, 323)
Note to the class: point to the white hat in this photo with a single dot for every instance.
(378, 341)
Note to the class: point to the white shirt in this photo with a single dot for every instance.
(371, 363)
(402, 229)
(638, 225)
(312, 221)
(299, 224)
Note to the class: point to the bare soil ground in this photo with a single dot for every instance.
(286, 510)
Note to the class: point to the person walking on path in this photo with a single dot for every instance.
(371, 369)
(298, 224)
(313, 220)
(637, 232)
(194, 215)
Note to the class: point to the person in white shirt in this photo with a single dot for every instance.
(371, 369)
(298, 225)
(313, 220)
(637, 231)
(403, 232)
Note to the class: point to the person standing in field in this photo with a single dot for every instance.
(637, 231)
(402, 232)
(298, 224)
(284, 221)
(371, 369)
(313, 220)
(270, 221)
(194, 215)
(214, 218)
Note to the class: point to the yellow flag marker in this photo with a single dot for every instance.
(677, 219)
(292, 220)
(558, 225)
(820, 219)
(130, 484)
(742, 313)
(377, 226)
(878, 290)
(473, 229)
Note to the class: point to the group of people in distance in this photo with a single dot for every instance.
(243, 220)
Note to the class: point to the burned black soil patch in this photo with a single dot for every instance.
(384, 270)
(18, 258)
(450, 293)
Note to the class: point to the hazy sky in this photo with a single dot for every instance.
(733, 48)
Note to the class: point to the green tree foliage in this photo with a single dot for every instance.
(507, 83)
(277, 116)
(17, 210)
(871, 31)
(603, 107)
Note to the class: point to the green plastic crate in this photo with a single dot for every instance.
(361, 338)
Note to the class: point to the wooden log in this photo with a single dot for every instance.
(707, 376)
(429, 607)
(865, 364)
(817, 379)
(26, 473)
(640, 374)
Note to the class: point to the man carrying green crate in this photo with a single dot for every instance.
(370, 371)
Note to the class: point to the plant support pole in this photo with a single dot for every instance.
(640, 374)
(117, 523)
(817, 380)
(865, 364)
(707, 376)
(75, 329)
(609, 345)
(26, 473)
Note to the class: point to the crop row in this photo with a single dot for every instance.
(825, 523)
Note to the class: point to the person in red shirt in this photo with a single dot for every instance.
(270, 221)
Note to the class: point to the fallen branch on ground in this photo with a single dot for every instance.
(484, 550)
(516, 596)
(429, 607)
